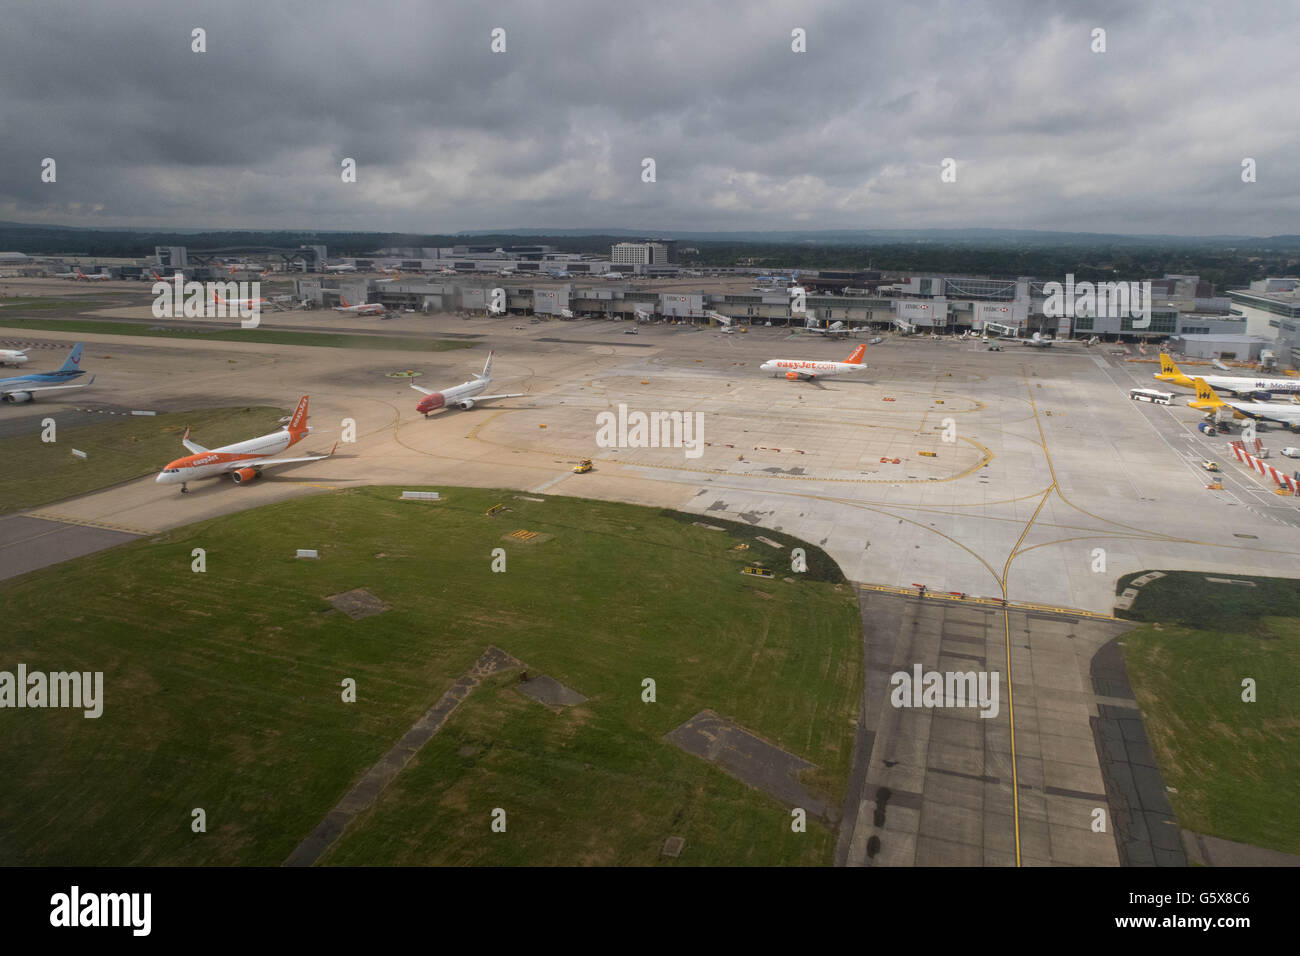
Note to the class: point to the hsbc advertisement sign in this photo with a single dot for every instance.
(681, 305)
(1006, 313)
(923, 313)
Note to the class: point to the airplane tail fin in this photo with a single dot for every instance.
(343, 301)
(216, 297)
(1205, 396)
(297, 426)
(856, 357)
(487, 366)
(73, 362)
(1168, 370)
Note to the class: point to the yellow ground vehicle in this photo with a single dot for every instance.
(1210, 465)
(582, 466)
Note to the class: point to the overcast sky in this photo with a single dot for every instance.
(1147, 137)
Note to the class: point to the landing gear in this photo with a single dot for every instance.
(184, 489)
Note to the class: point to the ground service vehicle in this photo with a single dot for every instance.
(1151, 395)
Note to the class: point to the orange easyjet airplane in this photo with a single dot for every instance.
(243, 461)
(795, 369)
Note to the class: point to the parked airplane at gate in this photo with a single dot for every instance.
(1284, 413)
(19, 389)
(239, 303)
(836, 329)
(799, 369)
(239, 267)
(1236, 384)
(93, 277)
(465, 395)
(12, 357)
(244, 460)
(365, 308)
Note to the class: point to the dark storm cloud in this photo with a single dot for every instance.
(1147, 137)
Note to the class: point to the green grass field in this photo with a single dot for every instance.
(265, 336)
(223, 688)
(1235, 765)
(34, 472)
(45, 303)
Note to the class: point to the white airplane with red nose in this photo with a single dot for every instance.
(465, 395)
(244, 460)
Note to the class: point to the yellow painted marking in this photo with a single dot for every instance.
(85, 522)
(992, 602)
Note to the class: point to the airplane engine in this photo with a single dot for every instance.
(792, 376)
(1261, 397)
(465, 403)
(17, 398)
(243, 475)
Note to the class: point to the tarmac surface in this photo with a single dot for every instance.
(1048, 460)
(28, 543)
(945, 785)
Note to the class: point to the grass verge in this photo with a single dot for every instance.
(223, 688)
(1235, 766)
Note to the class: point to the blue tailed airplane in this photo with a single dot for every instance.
(22, 388)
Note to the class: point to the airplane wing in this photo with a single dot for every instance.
(1286, 415)
(485, 398)
(268, 462)
(426, 391)
(194, 448)
(1269, 412)
(46, 388)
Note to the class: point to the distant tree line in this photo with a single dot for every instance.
(1227, 266)
(1226, 269)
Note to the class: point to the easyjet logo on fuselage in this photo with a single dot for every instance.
(211, 458)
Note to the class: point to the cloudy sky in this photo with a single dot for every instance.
(1147, 137)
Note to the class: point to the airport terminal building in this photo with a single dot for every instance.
(921, 304)
(540, 279)
(1271, 309)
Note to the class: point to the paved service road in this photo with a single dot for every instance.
(936, 786)
(28, 543)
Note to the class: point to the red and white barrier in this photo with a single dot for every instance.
(1250, 461)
